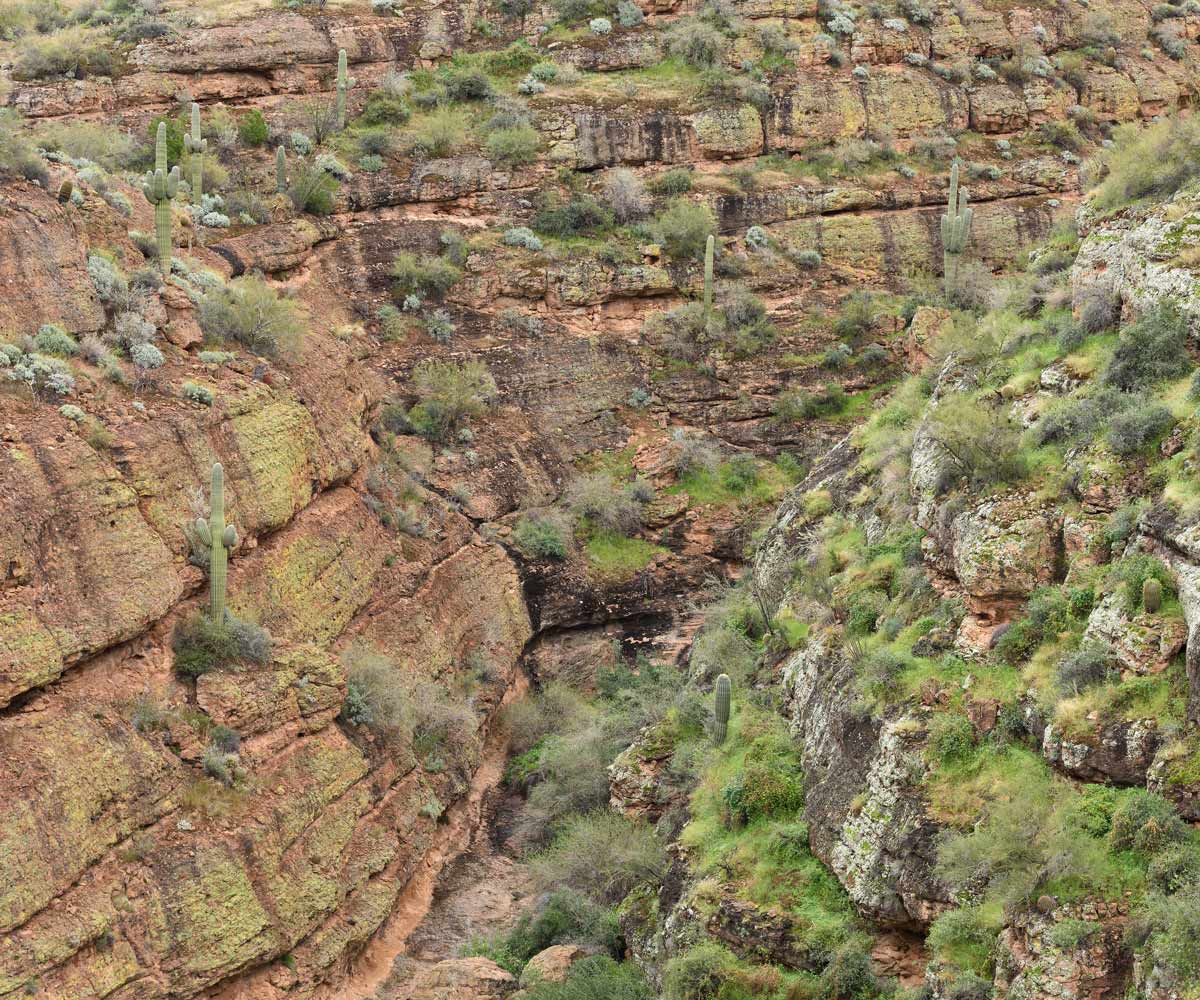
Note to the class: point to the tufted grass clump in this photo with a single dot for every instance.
(424, 276)
(541, 537)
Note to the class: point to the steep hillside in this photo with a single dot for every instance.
(431, 286)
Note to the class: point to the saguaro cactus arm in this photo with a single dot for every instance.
(721, 713)
(280, 170)
(160, 186)
(196, 148)
(708, 274)
(956, 221)
(344, 82)
(220, 537)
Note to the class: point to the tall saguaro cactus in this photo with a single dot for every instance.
(956, 230)
(196, 148)
(344, 83)
(220, 538)
(721, 728)
(160, 187)
(280, 170)
(708, 274)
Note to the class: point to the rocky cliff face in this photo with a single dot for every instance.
(125, 871)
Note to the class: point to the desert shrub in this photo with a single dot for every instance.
(580, 215)
(468, 83)
(197, 393)
(951, 737)
(422, 276)
(606, 504)
(18, 158)
(1080, 419)
(383, 108)
(521, 236)
(684, 228)
(1168, 927)
(513, 146)
(963, 937)
(698, 973)
(879, 673)
(565, 917)
(629, 14)
(449, 394)
(78, 52)
(595, 978)
(848, 975)
(765, 788)
(1175, 868)
(252, 128)
(603, 855)
(1047, 613)
(676, 181)
(311, 189)
(541, 537)
(1150, 350)
(1136, 427)
(53, 339)
(1146, 822)
(1152, 162)
(796, 405)
(697, 42)
(625, 194)
(442, 132)
(374, 696)
(250, 312)
(979, 440)
(201, 644)
(111, 148)
(855, 317)
(1093, 663)
(1098, 308)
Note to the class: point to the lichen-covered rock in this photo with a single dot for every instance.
(1144, 644)
(1074, 952)
(463, 979)
(1119, 753)
(551, 965)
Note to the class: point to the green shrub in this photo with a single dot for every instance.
(978, 440)
(311, 189)
(18, 157)
(1152, 162)
(848, 975)
(879, 673)
(603, 855)
(1169, 926)
(250, 312)
(684, 228)
(951, 737)
(441, 133)
(252, 128)
(1150, 350)
(1047, 613)
(605, 503)
(201, 644)
(468, 83)
(385, 108)
(424, 276)
(513, 146)
(1092, 664)
(580, 215)
(449, 394)
(964, 938)
(1134, 429)
(855, 318)
(111, 148)
(540, 537)
(796, 405)
(1146, 822)
(596, 978)
(77, 52)
(762, 790)
(53, 339)
(696, 42)
(1175, 869)
(1133, 571)
(698, 973)
(1070, 934)
(676, 181)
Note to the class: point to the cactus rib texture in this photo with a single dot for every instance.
(344, 83)
(708, 274)
(280, 170)
(196, 148)
(1151, 595)
(160, 186)
(721, 726)
(220, 538)
(956, 230)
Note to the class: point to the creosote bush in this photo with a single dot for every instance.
(448, 395)
(250, 312)
(684, 228)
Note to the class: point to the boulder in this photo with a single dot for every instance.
(463, 979)
(551, 965)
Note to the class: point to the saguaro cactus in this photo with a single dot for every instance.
(956, 230)
(196, 148)
(721, 728)
(280, 170)
(708, 274)
(160, 187)
(1151, 595)
(220, 538)
(344, 83)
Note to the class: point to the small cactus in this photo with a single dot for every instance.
(160, 186)
(956, 230)
(344, 83)
(196, 148)
(721, 726)
(220, 538)
(708, 274)
(1151, 595)
(280, 170)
